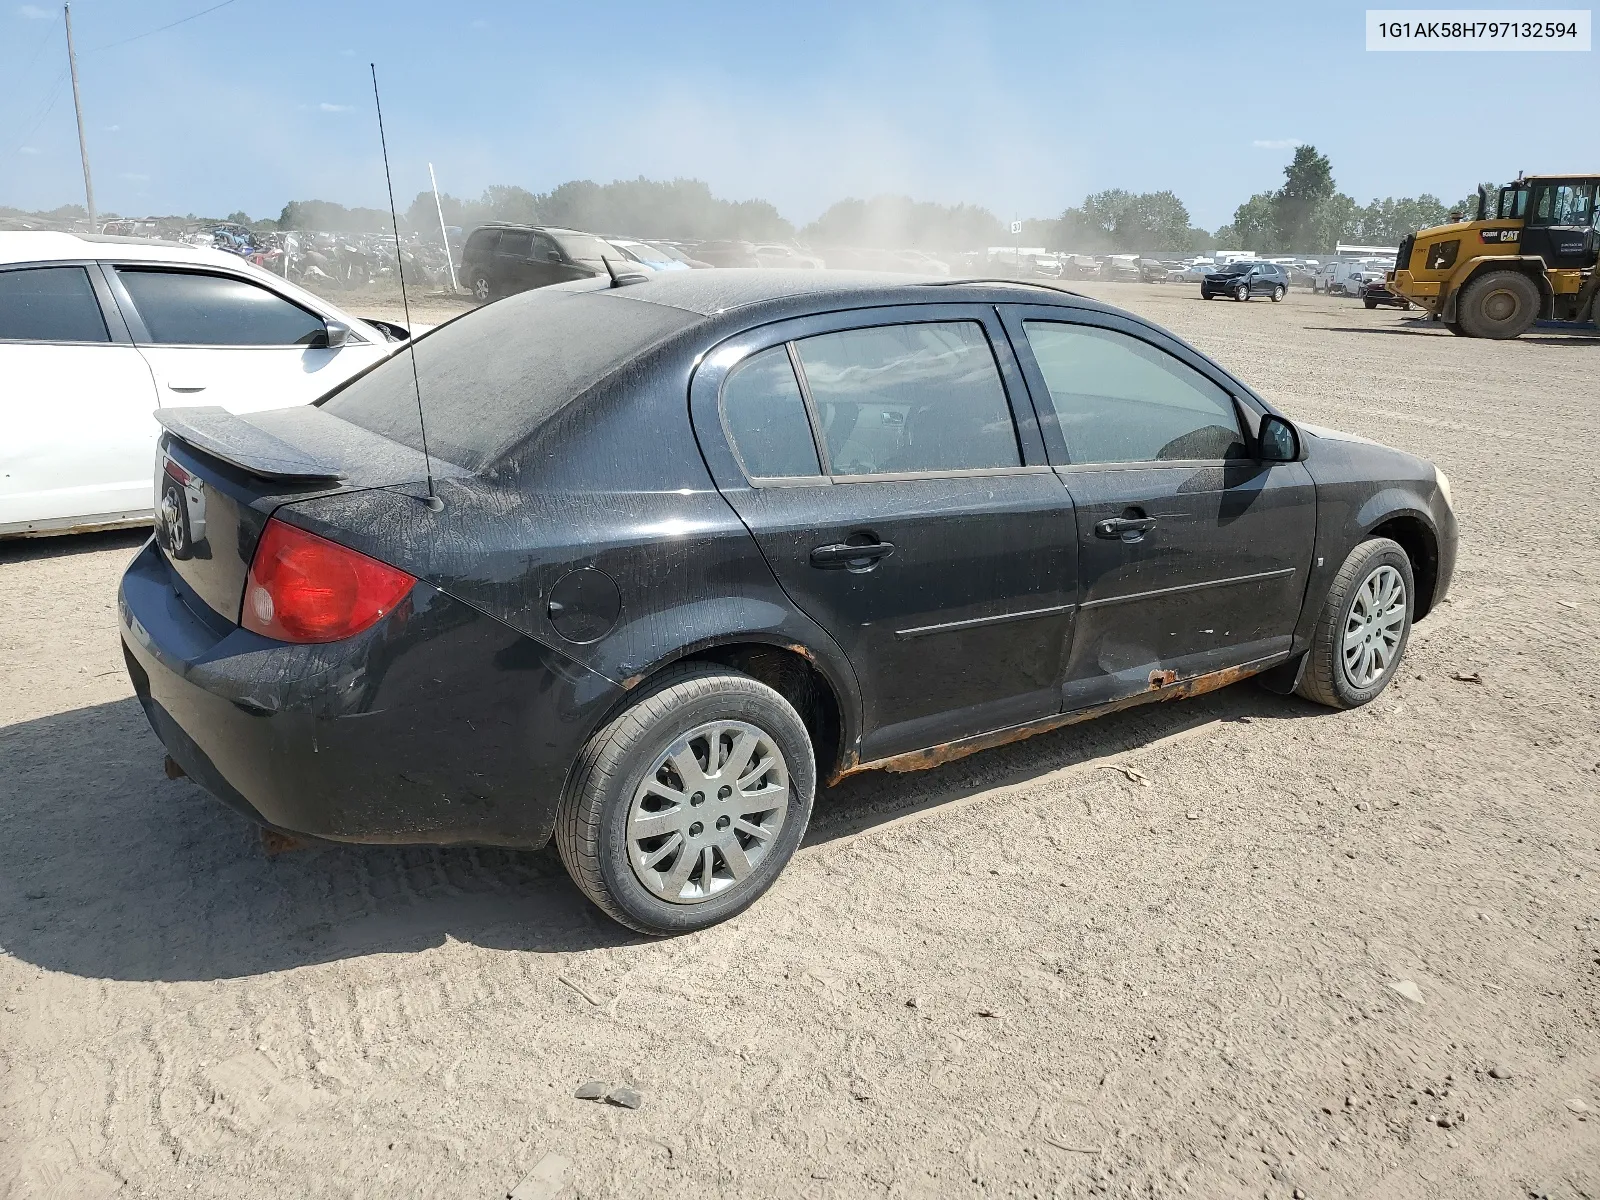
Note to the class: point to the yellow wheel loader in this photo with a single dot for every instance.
(1529, 254)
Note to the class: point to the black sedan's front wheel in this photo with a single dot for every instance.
(685, 808)
(1241, 292)
(1362, 630)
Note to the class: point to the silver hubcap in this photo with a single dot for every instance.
(708, 812)
(1242, 293)
(1372, 631)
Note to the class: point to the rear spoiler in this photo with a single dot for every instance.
(233, 439)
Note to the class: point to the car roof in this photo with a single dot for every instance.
(45, 246)
(709, 293)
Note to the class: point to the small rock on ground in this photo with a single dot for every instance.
(624, 1097)
(595, 1089)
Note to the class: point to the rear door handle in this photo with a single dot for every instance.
(1116, 527)
(841, 555)
(186, 387)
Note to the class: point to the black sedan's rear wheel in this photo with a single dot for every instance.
(683, 810)
(1361, 632)
(1277, 293)
(482, 288)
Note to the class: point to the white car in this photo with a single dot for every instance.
(97, 332)
(650, 257)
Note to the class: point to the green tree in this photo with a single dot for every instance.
(1307, 182)
(1117, 219)
(1254, 226)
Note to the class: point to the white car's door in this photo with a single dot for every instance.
(213, 338)
(78, 441)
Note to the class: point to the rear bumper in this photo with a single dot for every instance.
(437, 726)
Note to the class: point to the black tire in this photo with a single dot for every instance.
(1241, 294)
(1277, 294)
(1499, 305)
(1326, 678)
(591, 822)
(482, 288)
(1370, 303)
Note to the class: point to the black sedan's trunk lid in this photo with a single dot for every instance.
(220, 476)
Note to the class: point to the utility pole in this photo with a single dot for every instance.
(77, 103)
(443, 232)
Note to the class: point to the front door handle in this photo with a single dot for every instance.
(1120, 527)
(186, 387)
(841, 555)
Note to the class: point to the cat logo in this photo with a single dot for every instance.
(1503, 236)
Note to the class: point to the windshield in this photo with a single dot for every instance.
(585, 246)
(645, 252)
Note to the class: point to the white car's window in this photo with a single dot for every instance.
(183, 308)
(50, 304)
(1120, 400)
(897, 399)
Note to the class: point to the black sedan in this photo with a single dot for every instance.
(1246, 278)
(680, 550)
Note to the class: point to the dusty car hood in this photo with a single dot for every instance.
(1338, 435)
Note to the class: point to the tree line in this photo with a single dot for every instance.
(1307, 214)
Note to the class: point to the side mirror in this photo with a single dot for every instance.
(336, 333)
(1278, 440)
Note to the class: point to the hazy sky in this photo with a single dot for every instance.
(1021, 107)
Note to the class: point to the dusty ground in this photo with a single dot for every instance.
(1023, 974)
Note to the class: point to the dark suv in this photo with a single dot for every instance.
(1246, 278)
(500, 260)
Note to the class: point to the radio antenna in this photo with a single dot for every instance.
(433, 501)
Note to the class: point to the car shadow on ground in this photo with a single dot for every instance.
(110, 870)
(1575, 338)
(32, 549)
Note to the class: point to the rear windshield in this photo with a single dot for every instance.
(492, 377)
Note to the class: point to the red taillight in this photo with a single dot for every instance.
(304, 588)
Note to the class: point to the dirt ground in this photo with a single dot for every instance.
(1321, 954)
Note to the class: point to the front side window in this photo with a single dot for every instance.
(50, 304)
(188, 309)
(896, 399)
(765, 417)
(1563, 204)
(1121, 400)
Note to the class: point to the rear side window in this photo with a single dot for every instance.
(50, 304)
(765, 417)
(896, 399)
(182, 308)
(483, 242)
(1119, 399)
(515, 243)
